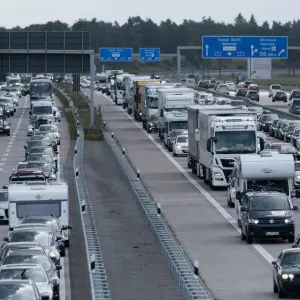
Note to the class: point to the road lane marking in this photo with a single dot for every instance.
(259, 248)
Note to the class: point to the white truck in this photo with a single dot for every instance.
(176, 99)
(222, 134)
(266, 171)
(38, 199)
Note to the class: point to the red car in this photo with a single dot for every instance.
(253, 87)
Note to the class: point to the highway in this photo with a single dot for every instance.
(12, 152)
(200, 219)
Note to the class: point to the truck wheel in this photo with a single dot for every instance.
(8, 133)
(291, 239)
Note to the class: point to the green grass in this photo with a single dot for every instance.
(61, 97)
(72, 125)
(83, 111)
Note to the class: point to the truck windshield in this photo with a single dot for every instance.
(178, 125)
(40, 110)
(40, 88)
(269, 202)
(267, 185)
(152, 102)
(235, 142)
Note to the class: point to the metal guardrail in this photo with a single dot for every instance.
(186, 276)
(98, 278)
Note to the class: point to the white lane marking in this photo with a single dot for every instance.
(259, 248)
(4, 158)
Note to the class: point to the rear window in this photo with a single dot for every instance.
(296, 102)
(276, 87)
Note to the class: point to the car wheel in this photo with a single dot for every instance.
(275, 287)
(8, 133)
(281, 293)
(249, 238)
(67, 243)
(243, 237)
(174, 154)
(291, 239)
(63, 252)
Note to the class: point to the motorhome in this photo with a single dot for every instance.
(267, 171)
(38, 199)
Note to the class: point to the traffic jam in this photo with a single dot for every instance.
(34, 203)
(247, 150)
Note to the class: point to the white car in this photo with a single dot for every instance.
(231, 86)
(181, 145)
(30, 130)
(51, 128)
(273, 89)
(14, 97)
(3, 206)
(223, 88)
(56, 114)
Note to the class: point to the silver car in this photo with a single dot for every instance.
(34, 272)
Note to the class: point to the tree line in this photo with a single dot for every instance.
(167, 35)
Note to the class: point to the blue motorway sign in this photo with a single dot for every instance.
(217, 47)
(115, 54)
(149, 54)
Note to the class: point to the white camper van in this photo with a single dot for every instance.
(38, 199)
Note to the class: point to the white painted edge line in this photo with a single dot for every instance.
(259, 248)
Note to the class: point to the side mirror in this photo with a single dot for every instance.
(295, 207)
(58, 238)
(55, 159)
(297, 193)
(58, 267)
(10, 229)
(45, 297)
(70, 227)
(30, 112)
(243, 209)
(274, 263)
(208, 145)
(6, 239)
(238, 195)
(25, 147)
(5, 187)
(56, 152)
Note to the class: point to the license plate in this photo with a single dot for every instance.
(272, 233)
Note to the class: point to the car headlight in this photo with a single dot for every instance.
(150, 124)
(46, 295)
(288, 220)
(178, 146)
(253, 221)
(217, 174)
(287, 276)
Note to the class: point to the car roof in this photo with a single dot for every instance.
(27, 225)
(29, 244)
(23, 252)
(21, 266)
(40, 217)
(264, 193)
(289, 250)
(16, 281)
(28, 170)
(44, 229)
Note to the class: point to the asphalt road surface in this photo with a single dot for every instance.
(200, 219)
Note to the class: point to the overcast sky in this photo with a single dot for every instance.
(26, 12)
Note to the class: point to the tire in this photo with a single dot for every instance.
(57, 297)
(243, 237)
(249, 239)
(8, 133)
(174, 154)
(273, 100)
(275, 287)
(67, 243)
(281, 294)
(63, 253)
(291, 239)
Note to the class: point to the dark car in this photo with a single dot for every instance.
(288, 134)
(253, 95)
(42, 150)
(294, 94)
(286, 273)
(242, 92)
(295, 106)
(35, 143)
(34, 257)
(266, 121)
(51, 221)
(4, 127)
(20, 290)
(278, 130)
(267, 215)
(273, 127)
(49, 170)
(283, 129)
(280, 96)
(295, 136)
(203, 84)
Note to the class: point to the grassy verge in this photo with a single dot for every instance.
(61, 97)
(84, 116)
(72, 125)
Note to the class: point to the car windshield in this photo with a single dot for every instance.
(235, 142)
(154, 118)
(252, 93)
(41, 150)
(291, 259)
(280, 94)
(267, 203)
(40, 259)
(269, 117)
(3, 196)
(16, 291)
(42, 237)
(182, 139)
(296, 102)
(37, 157)
(50, 222)
(6, 101)
(38, 110)
(47, 128)
(34, 274)
(46, 168)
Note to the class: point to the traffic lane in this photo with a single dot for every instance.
(200, 229)
(126, 240)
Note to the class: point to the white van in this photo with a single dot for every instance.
(38, 199)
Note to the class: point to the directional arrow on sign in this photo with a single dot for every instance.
(253, 51)
(281, 52)
(229, 54)
(206, 50)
